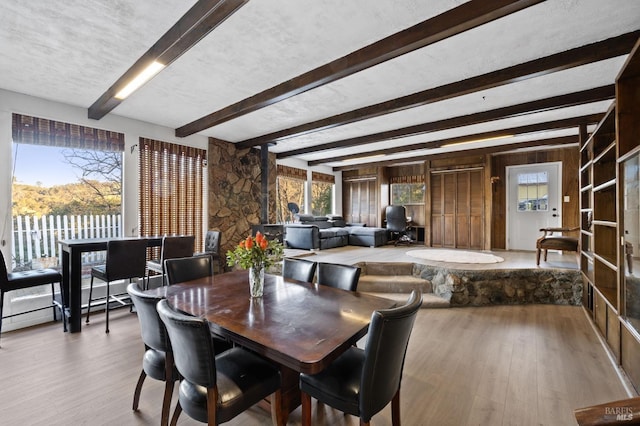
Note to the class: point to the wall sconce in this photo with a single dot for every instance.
(494, 182)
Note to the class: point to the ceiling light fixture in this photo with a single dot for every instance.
(147, 74)
(476, 140)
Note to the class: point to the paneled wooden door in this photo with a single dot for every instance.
(360, 201)
(457, 209)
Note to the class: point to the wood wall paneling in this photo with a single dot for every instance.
(570, 170)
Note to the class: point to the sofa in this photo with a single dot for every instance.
(324, 232)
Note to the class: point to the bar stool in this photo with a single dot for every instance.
(172, 247)
(126, 259)
(26, 279)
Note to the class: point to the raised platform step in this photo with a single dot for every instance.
(393, 284)
(429, 300)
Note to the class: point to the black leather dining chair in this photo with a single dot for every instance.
(11, 281)
(212, 242)
(361, 382)
(126, 259)
(298, 269)
(215, 388)
(334, 275)
(157, 361)
(172, 247)
(181, 269)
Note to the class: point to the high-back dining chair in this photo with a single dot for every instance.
(212, 242)
(172, 247)
(126, 259)
(298, 269)
(11, 281)
(157, 361)
(361, 382)
(214, 388)
(181, 269)
(334, 275)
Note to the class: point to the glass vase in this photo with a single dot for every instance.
(256, 280)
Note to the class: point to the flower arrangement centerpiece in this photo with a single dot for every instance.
(256, 254)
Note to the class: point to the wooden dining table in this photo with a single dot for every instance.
(302, 327)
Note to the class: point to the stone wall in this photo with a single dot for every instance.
(235, 190)
(504, 287)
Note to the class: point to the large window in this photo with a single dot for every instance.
(171, 189)
(407, 193)
(290, 192)
(66, 183)
(322, 194)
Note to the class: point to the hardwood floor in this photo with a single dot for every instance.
(502, 365)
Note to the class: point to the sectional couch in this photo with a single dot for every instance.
(324, 232)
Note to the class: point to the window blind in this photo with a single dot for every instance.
(291, 172)
(322, 177)
(41, 131)
(407, 179)
(171, 189)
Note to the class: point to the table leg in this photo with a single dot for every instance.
(75, 291)
(289, 397)
(64, 285)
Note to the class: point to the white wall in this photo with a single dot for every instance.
(11, 102)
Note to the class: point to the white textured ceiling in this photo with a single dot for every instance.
(72, 51)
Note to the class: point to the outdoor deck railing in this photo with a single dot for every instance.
(35, 239)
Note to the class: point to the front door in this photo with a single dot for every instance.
(533, 202)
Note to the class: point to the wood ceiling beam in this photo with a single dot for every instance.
(594, 52)
(555, 102)
(197, 22)
(518, 130)
(455, 21)
(563, 140)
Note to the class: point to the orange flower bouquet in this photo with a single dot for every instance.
(256, 254)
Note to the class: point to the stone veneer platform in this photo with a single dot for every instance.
(453, 285)
(503, 286)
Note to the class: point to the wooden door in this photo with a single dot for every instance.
(457, 209)
(360, 198)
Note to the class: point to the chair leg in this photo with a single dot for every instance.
(60, 306)
(212, 405)
(1, 305)
(107, 309)
(54, 307)
(395, 409)
(136, 393)
(166, 402)
(306, 408)
(89, 302)
(176, 414)
(538, 257)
